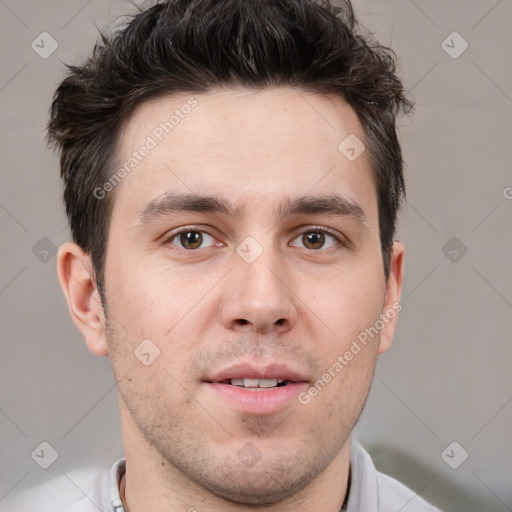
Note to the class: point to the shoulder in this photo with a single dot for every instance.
(373, 490)
(76, 491)
(394, 496)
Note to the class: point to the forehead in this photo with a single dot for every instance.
(246, 144)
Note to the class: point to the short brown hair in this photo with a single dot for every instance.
(194, 46)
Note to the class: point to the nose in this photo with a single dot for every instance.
(256, 297)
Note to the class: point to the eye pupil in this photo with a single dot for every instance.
(191, 239)
(314, 239)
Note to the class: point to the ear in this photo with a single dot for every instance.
(392, 304)
(77, 280)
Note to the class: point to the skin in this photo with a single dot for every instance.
(207, 308)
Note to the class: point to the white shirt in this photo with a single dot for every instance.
(370, 491)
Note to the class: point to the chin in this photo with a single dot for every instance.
(260, 489)
(261, 484)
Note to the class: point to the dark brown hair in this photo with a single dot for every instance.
(195, 46)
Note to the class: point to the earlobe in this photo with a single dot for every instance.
(392, 304)
(77, 280)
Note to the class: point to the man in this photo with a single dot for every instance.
(232, 179)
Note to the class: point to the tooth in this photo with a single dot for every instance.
(268, 383)
(255, 383)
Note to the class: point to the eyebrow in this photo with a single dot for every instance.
(327, 204)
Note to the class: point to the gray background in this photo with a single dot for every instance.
(447, 376)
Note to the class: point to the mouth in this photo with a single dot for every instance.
(257, 384)
(254, 377)
(255, 389)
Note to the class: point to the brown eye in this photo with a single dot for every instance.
(313, 239)
(190, 239)
(317, 239)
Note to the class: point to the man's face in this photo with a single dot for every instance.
(252, 296)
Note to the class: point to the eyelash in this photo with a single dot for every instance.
(312, 229)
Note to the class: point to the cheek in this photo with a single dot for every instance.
(346, 304)
(161, 302)
(141, 293)
(343, 383)
(348, 307)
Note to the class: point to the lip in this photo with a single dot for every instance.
(265, 402)
(257, 402)
(251, 371)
